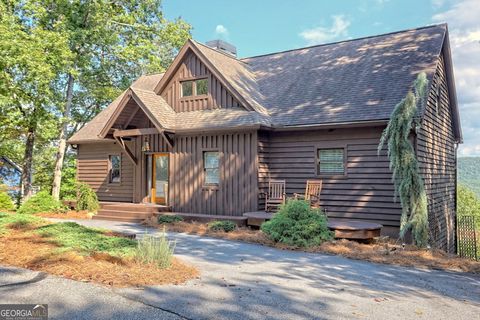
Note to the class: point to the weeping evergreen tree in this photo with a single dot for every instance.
(409, 186)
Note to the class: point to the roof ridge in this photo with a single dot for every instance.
(342, 41)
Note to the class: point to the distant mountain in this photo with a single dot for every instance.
(469, 173)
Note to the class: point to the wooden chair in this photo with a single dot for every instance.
(275, 196)
(312, 193)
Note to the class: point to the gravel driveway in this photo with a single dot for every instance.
(245, 281)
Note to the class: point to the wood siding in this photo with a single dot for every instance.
(437, 158)
(238, 189)
(218, 96)
(92, 168)
(365, 193)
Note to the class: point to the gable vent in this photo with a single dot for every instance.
(223, 46)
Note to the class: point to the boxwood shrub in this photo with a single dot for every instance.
(222, 225)
(41, 202)
(297, 224)
(169, 219)
(6, 202)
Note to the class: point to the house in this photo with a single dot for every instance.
(10, 176)
(206, 136)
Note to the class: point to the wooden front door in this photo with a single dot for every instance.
(160, 178)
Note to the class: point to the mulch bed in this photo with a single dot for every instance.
(383, 250)
(26, 249)
(71, 214)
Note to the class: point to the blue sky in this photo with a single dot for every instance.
(264, 26)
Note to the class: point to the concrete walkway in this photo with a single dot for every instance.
(245, 281)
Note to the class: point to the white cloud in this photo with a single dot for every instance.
(464, 26)
(438, 3)
(221, 31)
(339, 28)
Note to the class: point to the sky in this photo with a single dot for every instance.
(265, 26)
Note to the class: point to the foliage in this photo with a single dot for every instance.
(72, 236)
(41, 202)
(155, 249)
(469, 173)
(18, 221)
(468, 203)
(169, 219)
(222, 225)
(297, 224)
(6, 202)
(408, 182)
(87, 198)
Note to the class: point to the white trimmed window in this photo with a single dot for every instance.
(211, 167)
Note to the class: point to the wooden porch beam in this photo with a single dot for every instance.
(134, 132)
(167, 138)
(125, 148)
(131, 117)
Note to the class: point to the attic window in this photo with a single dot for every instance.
(187, 88)
(197, 87)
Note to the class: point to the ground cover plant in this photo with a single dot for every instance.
(222, 225)
(81, 253)
(297, 224)
(41, 202)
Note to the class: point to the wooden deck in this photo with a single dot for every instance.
(343, 229)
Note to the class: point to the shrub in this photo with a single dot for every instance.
(169, 219)
(468, 204)
(156, 250)
(86, 198)
(41, 202)
(6, 202)
(220, 225)
(297, 224)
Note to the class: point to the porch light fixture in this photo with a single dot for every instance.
(146, 145)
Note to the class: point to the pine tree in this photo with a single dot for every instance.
(409, 186)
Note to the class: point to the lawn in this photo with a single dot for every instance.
(81, 253)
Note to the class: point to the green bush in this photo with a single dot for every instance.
(6, 202)
(155, 249)
(468, 204)
(222, 225)
(169, 219)
(87, 198)
(41, 202)
(297, 224)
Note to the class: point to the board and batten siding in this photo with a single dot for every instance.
(437, 160)
(218, 96)
(238, 189)
(365, 193)
(92, 168)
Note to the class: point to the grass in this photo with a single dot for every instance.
(85, 254)
(72, 236)
(155, 250)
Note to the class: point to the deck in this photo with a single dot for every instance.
(343, 229)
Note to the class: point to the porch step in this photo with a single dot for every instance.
(134, 207)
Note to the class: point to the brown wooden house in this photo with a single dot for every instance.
(206, 136)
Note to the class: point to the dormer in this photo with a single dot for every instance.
(192, 86)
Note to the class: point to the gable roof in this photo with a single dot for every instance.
(351, 81)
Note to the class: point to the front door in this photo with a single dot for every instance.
(160, 178)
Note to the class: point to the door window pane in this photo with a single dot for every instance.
(115, 166)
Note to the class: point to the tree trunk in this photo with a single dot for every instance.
(27, 165)
(62, 141)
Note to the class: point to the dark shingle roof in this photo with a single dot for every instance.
(350, 81)
(354, 80)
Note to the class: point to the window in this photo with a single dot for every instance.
(114, 165)
(331, 161)
(194, 87)
(187, 88)
(201, 86)
(211, 165)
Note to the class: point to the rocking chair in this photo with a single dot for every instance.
(312, 193)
